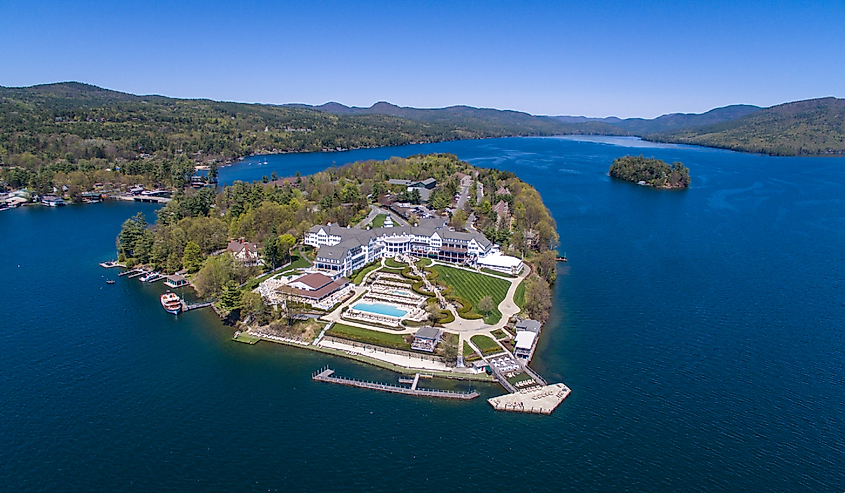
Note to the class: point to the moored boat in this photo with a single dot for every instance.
(171, 302)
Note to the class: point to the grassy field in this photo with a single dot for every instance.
(473, 287)
(378, 221)
(519, 295)
(423, 262)
(485, 344)
(374, 337)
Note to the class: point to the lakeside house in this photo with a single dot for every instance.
(245, 253)
(344, 250)
(52, 200)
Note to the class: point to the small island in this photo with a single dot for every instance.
(427, 266)
(650, 172)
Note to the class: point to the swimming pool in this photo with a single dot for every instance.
(401, 293)
(381, 309)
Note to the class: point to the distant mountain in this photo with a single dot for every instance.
(812, 127)
(500, 120)
(670, 122)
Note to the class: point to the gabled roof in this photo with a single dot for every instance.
(529, 325)
(427, 333)
(314, 281)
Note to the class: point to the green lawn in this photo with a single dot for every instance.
(497, 273)
(499, 334)
(519, 295)
(423, 262)
(378, 221)
(469, 354)
(359, 277)
(367, 336)
(394, 264)
(296, 262)
(485, 344)
(474, 286)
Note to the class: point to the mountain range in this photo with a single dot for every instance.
(37, 120)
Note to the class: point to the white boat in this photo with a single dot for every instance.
(171, 302)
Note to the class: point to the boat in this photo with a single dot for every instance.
(149, 276)
(171, 303)
(110, 281)
(561, 259)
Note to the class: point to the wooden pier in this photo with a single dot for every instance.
(326, 375)
(186, 307)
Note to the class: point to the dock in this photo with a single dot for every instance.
(134, 274)
(327, 375)
(245, 338)
(537, 400)
(186, 307)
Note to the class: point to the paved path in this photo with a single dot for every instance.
(396, 359)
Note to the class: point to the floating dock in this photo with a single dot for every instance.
(326, 375)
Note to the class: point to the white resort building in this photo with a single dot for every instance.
(344, 250)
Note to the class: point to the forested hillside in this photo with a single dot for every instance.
(72, 127)
(814, 127)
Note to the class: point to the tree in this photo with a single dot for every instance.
(270, 252)
(285, 244)
(192, 258)
(538, 298)
(231, 297)
(212, 173)
(434, 312)
(547, 263)
(459, 219)
(485, 304)
(252, 304)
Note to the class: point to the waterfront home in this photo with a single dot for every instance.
(245, 253)
(52, 200)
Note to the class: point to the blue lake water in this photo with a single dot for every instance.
(701, 332)
(381, 309)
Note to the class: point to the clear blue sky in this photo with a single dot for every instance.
(587, 58)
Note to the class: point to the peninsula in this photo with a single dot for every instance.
(650, 172)
(425, 265)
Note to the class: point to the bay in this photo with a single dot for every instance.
(700, 330)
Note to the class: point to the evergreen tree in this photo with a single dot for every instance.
(231, 297)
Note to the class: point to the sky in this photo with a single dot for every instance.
(593, 58)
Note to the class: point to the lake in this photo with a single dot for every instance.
(701, 332)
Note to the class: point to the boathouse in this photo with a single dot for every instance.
(175, 281)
